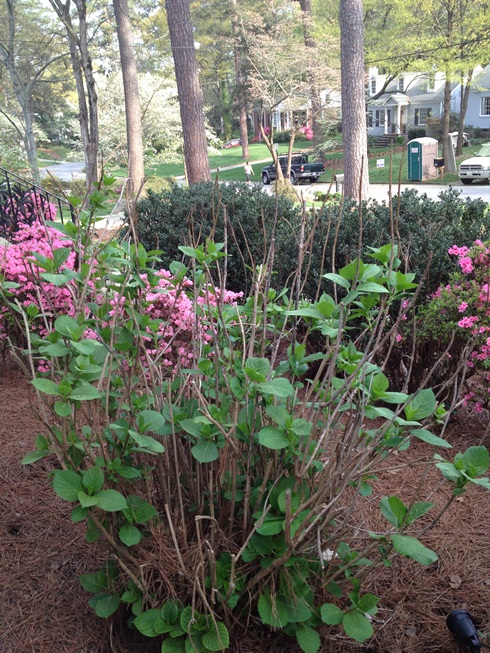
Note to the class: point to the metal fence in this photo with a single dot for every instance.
(22, 202)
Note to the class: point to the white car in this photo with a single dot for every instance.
(478, 167)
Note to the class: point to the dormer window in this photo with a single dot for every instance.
(431, 81)
(373, 86)
(401, 84)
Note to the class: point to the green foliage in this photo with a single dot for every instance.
(187, 216)
(233, 465)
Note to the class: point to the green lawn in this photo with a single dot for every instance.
(397, 161)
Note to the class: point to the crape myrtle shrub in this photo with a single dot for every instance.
(187, 216)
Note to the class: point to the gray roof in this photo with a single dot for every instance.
(481, 82)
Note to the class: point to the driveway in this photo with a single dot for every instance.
(67, 171)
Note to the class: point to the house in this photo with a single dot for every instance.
(406, 101)
(296, 109)
(478, 111)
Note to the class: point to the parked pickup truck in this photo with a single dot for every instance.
(300, 169)
(478, 167)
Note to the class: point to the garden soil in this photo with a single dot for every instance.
(43, 609)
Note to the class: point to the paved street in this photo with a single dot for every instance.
(380, 192)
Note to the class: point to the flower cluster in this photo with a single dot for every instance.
(307, 132)
(463, 305)
(174, 323)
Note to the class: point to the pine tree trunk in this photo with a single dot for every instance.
(354, 130)
(240, 81)
(190, 94)
(134, 129)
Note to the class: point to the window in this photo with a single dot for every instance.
(401, 84)
(431, 81)
(373, 86)
(485, 106)
(370, 119)
(421, 116)
(380, 117)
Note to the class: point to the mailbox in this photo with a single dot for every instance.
(439, 162)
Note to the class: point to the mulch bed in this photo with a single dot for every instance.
(43, 609)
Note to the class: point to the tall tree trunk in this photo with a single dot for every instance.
(190, 94)
(446, 114)
(316, 105)
(134, 129)
(85, 83)
(23, 93)
(354, 130)
(240, 81)
(465, 95)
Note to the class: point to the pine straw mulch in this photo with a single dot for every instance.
(42, 554)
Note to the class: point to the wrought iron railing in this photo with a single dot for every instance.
(23, 202)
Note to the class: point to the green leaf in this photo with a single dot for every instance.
(129, 535)
(34, 456)
(94, 583)
(412, 548)
(46, 386)
(272, 612)
(331, 614)
(476, 460)
(85, 392)
(371, 286)
(277, 387)
(449, 471)
(421, 406)
(111, 500)
(150, 623)
(170, 612)
(205, 452)
(173, 645)
(336, 278)
(150, 420)
(368, 602)
(394, 510)
(67, 484)
(79, 514)
(430, 438)
(273, 438)
(218, 638)
(357, 626)
(418, 509)
(62, 408)
(379, 384)
(257, 369)
(87, 501)
(307, 638)
(93, 479)
(143, 511)
(104, 604)
(69, 327)
(271, 526)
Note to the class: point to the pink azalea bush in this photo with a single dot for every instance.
(463, 307)
(167, 301)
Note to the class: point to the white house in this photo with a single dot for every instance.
(407, 101)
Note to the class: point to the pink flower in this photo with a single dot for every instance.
(468, 322)
(466, 264)
(398, 337)
(462, 307)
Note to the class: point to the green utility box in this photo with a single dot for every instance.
(421, 154)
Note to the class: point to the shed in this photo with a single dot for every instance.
(421, 154)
